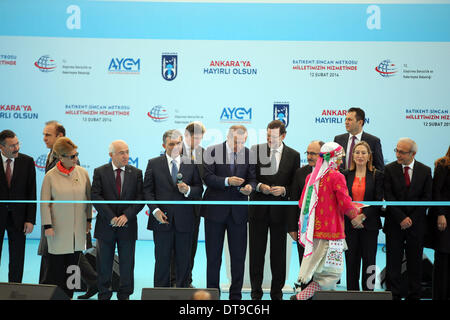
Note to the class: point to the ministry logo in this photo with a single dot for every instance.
(45, 64)
(169, 66)
(40, 162)
(386, 68)
(281, 112)
(158, 114)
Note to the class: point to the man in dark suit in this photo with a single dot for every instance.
(405, 180)
(17, 182)
(229, 176)
(354, 122)
(174, 178)
(116, 223)
(298, 182)
(276, 164)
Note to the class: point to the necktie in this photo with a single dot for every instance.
(233, 163)
(273, 161)
(8, 172)
(407, 179)
(118, 182)
(350, 156)
(174, 171)
(192, 155)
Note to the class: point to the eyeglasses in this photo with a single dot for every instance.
(311, 153)
(72, 156)
(401, 152)
(12, 146)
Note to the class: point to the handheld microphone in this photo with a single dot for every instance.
(179, 177)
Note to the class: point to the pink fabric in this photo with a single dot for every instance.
(308, 292)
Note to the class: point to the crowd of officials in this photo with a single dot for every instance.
(230, 172)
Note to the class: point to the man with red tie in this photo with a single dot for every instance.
(17, 182)
(405, 180)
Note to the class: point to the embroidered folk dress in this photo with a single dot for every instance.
(332, 204)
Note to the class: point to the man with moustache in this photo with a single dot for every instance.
(229, 176)
(405, 180)
(17, 182)
(116, 224)
(298, 182)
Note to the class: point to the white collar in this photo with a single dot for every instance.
(169, 158)
(115, 168)
(411, 165)
(5, 158)
(279, 149)
(358, 136)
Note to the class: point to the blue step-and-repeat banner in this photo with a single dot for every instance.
(131, 70)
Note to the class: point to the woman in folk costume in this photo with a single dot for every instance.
(324, 203)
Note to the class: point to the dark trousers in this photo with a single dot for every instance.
(258, 231)
(398, 243)
(441, 276)
(362, 245)
(237, 245)
(105, 259)
(166, 242)
(173, 271)
(16, 243)
(59, 272)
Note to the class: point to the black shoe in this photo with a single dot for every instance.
(293, 297)
(92, 291)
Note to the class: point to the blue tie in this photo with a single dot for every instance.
(174, 171)
(233, 163)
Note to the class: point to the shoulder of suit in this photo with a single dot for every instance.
(368, 136)
(420, 164)
(341, 136)
(25, 157)
(291, 150)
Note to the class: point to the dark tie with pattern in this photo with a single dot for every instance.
(118, 181)
(350, 156)
(407, 179)
(174, 171)
(8, 172)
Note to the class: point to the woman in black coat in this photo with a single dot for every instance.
(440, 229)
(362, 243)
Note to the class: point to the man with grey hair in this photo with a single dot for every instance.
(405, 180)
(116, 224)
(174, 178)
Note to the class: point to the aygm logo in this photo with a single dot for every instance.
(158, 114)
(281, 112)
(236, 115)
(169, 66)
(125, 66)
(45, 64)
(386, 68)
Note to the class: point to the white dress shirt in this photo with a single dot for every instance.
(349, 144)
(122, 173)
(411, 168)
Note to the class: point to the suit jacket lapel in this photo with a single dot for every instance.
(350, 180)
(16, 170)
(3, 175)
(166, 169)
(111, 176)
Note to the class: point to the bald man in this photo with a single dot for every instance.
(116, 223)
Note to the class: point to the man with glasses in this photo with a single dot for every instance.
(17, 182)
(298, 182)
(354, 123)
(405, 180)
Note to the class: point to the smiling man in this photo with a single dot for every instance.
(17, 182)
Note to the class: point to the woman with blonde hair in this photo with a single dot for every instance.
(365, 183)
(65, 224)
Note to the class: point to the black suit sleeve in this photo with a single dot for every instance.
(425, 193)
(389, 195)
(149, 187)
(97, 194)
(378, 159)
(440, 176)
(295, 167)
(31, 193)
(378, 194)
(196, 185)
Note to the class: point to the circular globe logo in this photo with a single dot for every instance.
(45, 64)
(158, 114)
(41, 162)
(386, 68)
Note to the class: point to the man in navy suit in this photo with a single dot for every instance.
(116, 223)
(354, 122)
(229, 176)
(405, 180)
(17, 182)
(174, 178)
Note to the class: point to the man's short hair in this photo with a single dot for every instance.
(320, 142)
(359, 114)
(59, 128)
(173, 134)
(195, 128)
(410, 141)
(277, 124)
(5, 134)
(238, 128)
